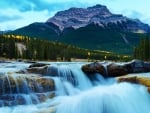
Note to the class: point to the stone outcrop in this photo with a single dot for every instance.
(38, 65)
(115, 69)
(20, 99)
(23, 83)
(36, 70)
(143, 80)
(15, 87)
(95, 67)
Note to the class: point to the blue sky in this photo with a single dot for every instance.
(19, 13)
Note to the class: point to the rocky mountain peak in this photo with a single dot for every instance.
(99, 7)
(79, 17)
(98, 14)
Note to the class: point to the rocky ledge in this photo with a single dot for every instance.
(23, 83)
(143, 80)
(19, 89)
(116, 69)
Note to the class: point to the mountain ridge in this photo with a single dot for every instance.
(95, 30)
(98, 14)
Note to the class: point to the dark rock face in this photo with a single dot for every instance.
(52, 70)
(137, 66)
(95, 67)
(38, 65)
(114, 70)
(128, 79)
(37, 70)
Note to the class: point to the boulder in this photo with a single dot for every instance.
(38, 65)
(15, 87)
(23, 83)
(22, 99)
(37, 70)
(132, 79)
(136, 80)
(45, 84)
(115, 70)
(95, 67)
(137, 66)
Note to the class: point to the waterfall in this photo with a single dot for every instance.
(19, 89)
(65, 88)
(117, 98)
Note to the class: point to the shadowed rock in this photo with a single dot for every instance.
(65, 73)
(95, 67)
(38, 65)
(37, 70)
(115, 70)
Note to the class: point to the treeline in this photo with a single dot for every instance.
(142, 51)
(23, 47)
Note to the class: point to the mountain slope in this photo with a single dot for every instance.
(95, 37)
(93, 28)
(39, 30)
(99, 14)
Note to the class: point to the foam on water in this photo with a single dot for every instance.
(77, 92)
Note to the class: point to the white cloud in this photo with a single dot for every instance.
(29, 11)
(26, 19)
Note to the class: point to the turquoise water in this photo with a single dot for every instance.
(76, 93)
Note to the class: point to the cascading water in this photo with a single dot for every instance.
(74, 92)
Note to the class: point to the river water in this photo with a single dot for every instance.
(75, 92)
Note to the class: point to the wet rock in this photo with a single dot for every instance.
(128, 79)
(22, 99)
(37, 70)
(137, 66)
(30, 61)
(47, 84)
(43, 97)
(136, 80)
(38, 65)
(48, 110)
(23, 83)
(115, 70)
(16, 88)
(12, 100)
(148, 89)
(95, 67)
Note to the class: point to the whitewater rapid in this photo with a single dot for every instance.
(75, 92)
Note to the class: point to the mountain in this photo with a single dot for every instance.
(2, 32)
(80, 17)
(92, 28)
(39, 30)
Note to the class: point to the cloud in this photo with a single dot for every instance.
(24, 19)
(37, 5)
(145, 18)
(4, 18)
(17, 13)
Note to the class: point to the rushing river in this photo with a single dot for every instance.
(74, 92)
